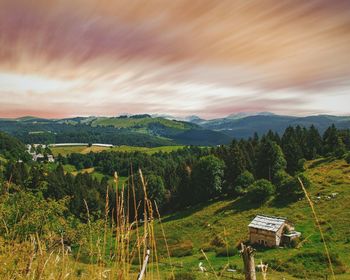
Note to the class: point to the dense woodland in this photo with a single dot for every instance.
(259, 168)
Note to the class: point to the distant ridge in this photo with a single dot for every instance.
(244, 125)
(163, 129)
(133, 130)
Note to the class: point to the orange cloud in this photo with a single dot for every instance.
(150, 49)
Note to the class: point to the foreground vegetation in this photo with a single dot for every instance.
(60, 221)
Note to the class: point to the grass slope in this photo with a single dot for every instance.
(196, 227)
(140, 122)
(64, 151)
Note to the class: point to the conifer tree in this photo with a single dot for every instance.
(291, 149)
(270, 160)
(313, 143)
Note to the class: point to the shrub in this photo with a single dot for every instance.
(261, 190)
(181, 250)
(226, 252)
(243, 181)
(218, 241)
(295, 243)
(280, 179)
(347, 158)
(208, 248)
(289, 188)
(301, 164)
(24, 213)
(306, 181)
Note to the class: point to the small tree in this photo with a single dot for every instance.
(260, 191)
(243, 181)
(289, 188)
(270, 160)
(207, 177)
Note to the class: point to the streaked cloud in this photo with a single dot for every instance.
(89, 57)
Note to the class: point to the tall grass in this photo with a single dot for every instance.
(115, 246)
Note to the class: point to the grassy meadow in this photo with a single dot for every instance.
(223, 226)
(228, 220)
(209, 233)
(66, 150)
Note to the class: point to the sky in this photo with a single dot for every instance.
(63, 58)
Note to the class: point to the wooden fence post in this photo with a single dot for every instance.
(247, 253)
(144, 266)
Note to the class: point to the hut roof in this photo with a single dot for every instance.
(268, 223)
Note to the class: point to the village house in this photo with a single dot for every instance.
(31, 149)
(271, 231)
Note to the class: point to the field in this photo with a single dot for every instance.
(198, 228)
(64, 151)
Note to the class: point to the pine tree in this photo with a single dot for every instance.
(332, 142)
(270, 160)
(313, 143)
(291, 150)
(236, 163)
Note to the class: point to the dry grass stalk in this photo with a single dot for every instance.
(319, 228)
(211, 267)
(112, 244)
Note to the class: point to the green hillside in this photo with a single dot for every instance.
(11, 147)
(141, 122)
(138, 130)
(229, 219)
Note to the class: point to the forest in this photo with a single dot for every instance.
(258, 167)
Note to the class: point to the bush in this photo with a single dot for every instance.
(226, 252)
(182, 250)
(218, 241)
(289, 188)
(208, 248)
(301, 164)
(243, 181)
(347, 157)
(306, 181)
(295, 243)
(24, 214)
(280, 179)
(261, 190)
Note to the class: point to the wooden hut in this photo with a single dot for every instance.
(271, 231)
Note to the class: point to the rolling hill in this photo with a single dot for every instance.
(245, 125)
(228, 219)
(137, 130)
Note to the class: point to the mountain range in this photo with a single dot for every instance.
(158, 130)
(245, 125)
(133, 130)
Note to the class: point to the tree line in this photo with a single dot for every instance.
(262, 166)
(256, 168)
